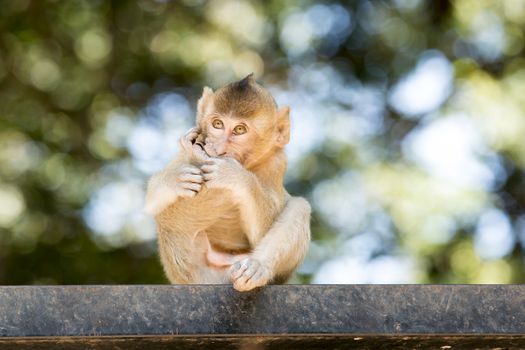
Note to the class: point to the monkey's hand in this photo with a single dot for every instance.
(248, 274)
(225, 173)
(192, 150)
(184, 181)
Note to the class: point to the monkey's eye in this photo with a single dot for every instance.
(217, 124)
(239, 130)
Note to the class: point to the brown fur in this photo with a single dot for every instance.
(244, 98)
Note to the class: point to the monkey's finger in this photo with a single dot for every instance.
(192, 135)
(251, 270)
(190, 138)
(185, 145)
(258, 279)
(239, 287)
(199, 153)
(209, 177)
(208, 168)
(211, 161)
(237, 269)
(244, 285)
(191, 178)
(187, 193)
(190, 169)
(240, 284)
(191, 186)
(194, 130)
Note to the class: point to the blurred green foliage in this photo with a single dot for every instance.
(68, 67)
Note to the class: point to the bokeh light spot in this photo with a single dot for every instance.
(426, 88)
(12, 204)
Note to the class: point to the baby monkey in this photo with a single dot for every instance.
(221, 209)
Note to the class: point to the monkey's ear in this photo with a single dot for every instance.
(204, 101)
(283, 126)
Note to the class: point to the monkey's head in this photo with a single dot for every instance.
(241, 120)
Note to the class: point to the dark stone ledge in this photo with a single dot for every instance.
(274, 317)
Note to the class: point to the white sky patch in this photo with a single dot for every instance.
(306, 131)
(118, 128)
(424, 89)
(367, 105)
(112, 205)
(494, 237)
(325, 106)
(172, 109)
(12, 204)
(343, 202)
(154, 140)
(321, 18)
(318, 81)
(145, 143)
(384, 269)
(343, 128)
(328, 19)
(297, 34)
(363, 245)
(488, 35)
(300, 30)
(451, 148)
(319, 110)
(438, 229)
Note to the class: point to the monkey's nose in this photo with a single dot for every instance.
(220, 149)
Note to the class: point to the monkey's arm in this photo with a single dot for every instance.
(257, 204)
(258, 207)
(280, 251)
(285, 245)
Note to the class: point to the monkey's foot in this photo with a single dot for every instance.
(248, 274)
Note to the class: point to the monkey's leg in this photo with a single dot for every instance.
(183, 241)
(279, 252)
(177, 256)
(218, 259)
(184, 258)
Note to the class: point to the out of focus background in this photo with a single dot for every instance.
(408, 131)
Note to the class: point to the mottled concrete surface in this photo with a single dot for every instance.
(274, 317)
